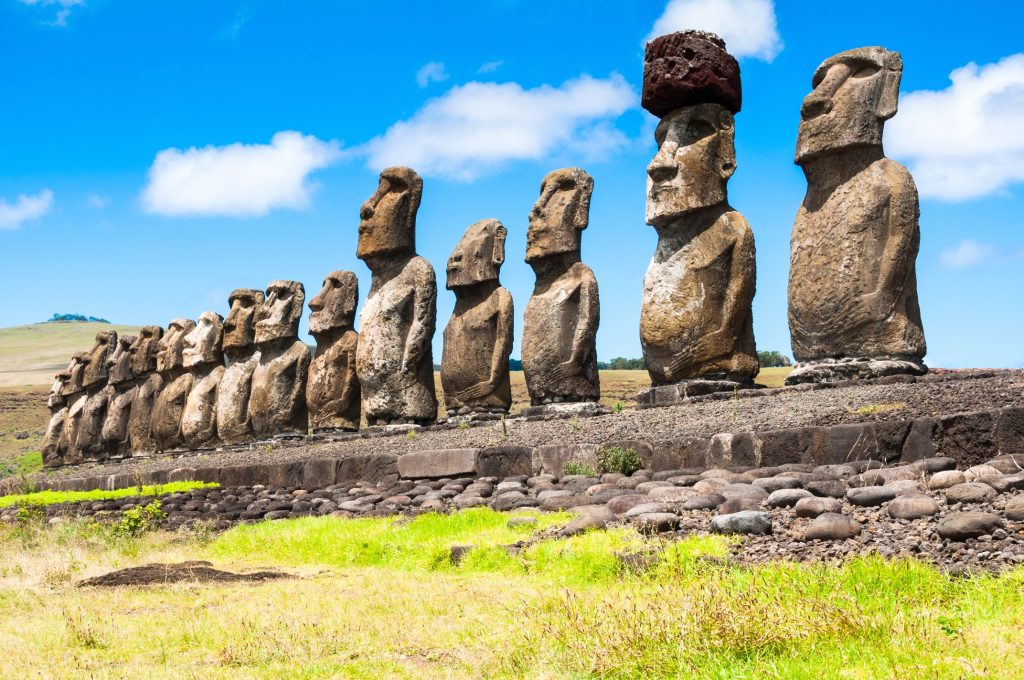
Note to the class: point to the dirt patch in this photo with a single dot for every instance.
(158, 574)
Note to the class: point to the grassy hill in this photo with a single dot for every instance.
(30, 355)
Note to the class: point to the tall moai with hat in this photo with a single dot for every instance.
(696, 324)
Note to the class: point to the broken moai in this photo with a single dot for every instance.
(696, 322)
(853, 309)
(478, 337)
(239, 344)
(121, 389)
(332, 392)
(277, 401)
(394, 360)
(560, 324)
(204, 359)
(148, 383)
(176, 383)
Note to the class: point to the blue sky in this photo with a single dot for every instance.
(156, 155)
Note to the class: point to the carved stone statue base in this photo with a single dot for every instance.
(853, 368)
(564, 409)
(468, 415)
(680, 392)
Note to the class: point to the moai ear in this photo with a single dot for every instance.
(893, 73)
(498, 254)
(726, 145)
(584, 189)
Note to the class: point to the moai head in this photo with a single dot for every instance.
(76, 370)
(145, 349)
(560, 214)
(96, 371)
(170, 355)
(478, 256)
(854, 93)
(119, 365)
(335, 305)
(278, 316)
(695, 160)
(203, 343)
(56, 396)
(387, 221)
(240, 326)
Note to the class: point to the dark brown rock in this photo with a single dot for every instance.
(689, 67)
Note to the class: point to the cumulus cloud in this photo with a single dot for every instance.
(747, 26)
(967, 140)
(63, 9)
(477, 127)
(25, 208)
(431, 73)
(967, 253)
(237, 180)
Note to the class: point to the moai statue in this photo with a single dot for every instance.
(94, 380)
(176, 385)
(696, 325)
(853, 308)
(148, 383)
(58, 405)
(560, 325)
(277, 402)
(75, 396)
(394, 360)
(478, 338)
(204, 359)
(121, 389)
(233, 423)
(332, 392)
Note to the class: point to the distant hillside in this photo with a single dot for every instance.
(30, 355)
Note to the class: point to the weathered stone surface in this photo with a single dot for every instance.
(870, 495)
(277, 399)
(959, 526)
(772, 484)
(394, 360)
(689, 67)
(367, 466)
(832, 526)
(656, 522)
(144, 353)
(861, 210)
(89, 441)
(75, 396)
(57, 403)
(175, 384)
(786, 498)
(813, 506)
(332, 392)
(233, 423)
(204, 359)
(1015, 508)
(970, 438)
(696, 321)
(946, 479)
(746, 522)
(707, 501)
(478, 337)
(120, 392)
(439, 463)
(317, 474)
(970, 492)
(505, 461)
(553, 457)
(912, 506)
(560, 325)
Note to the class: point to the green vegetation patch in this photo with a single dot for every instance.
(54, 497)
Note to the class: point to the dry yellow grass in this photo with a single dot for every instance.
(30, 355)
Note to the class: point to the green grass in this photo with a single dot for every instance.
(41, 498)
(25, 464)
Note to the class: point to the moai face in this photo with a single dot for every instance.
(387, 221)
(695, 159)
(854, 93)
(144, 350)
(170, 355)
(119, 365)
(335, 305)
(478, 256)
(560, 214)
(203, 343)
(96, 370)
(278, 316)
(76, 369)
(56, 396)
(240, 326)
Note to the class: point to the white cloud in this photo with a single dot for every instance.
(967, 253)
(747, 26)
(431, 73)
(967, 140)
(490, 67)
(238, 180)
(477, 127)
(64, 11)
(24, 209)
(98, 201)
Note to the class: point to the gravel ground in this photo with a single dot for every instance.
(940, 393)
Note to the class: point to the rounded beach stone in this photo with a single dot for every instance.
(935, 464)
(582, 524)
(976, 471)
(912, 506)
(1015, 508)
(905, 486)
(738, 504)
(744, 491)
(867, 496)
(746, 522)
(970, 492)
(706, 486)
(786, 498)
(656, 522)
(646, 487)
(675, 494)
(704, 502)
(622, 504)
(771, 484)
(959, 526)
(945, 479)
(813, 506)
(833, 489)
(647, 509)
(832, 526)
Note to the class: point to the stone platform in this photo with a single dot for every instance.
(838, 370)
(682, 392)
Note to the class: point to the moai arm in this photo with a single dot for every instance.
(300, 359)
(349, 383)
(421, 329)
(499, 355)
(588, 316)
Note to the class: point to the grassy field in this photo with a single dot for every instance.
(373, 598)
(30, 355)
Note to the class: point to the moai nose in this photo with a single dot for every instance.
(814, 106)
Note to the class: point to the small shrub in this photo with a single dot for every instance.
(464, 425)
(575, 467)
(140, 519)
(574, 423)
(618, 407)
(411, 434)
(618, 459)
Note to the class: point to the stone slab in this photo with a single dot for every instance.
(438, 463)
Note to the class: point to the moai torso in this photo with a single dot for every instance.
(140, 420)
(233, 423)
(478, 337)
(332, 392)
(120, 389)
(176, 383)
